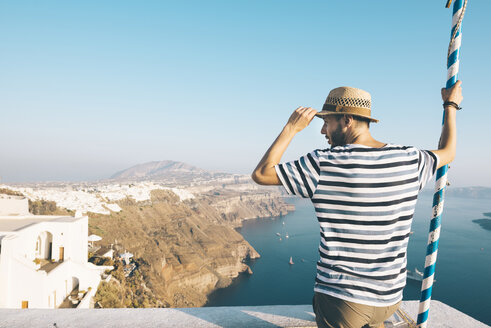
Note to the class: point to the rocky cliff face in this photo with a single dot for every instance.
(237, 207)
(189, 248)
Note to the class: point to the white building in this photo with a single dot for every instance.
(13, 205)
(43, 259)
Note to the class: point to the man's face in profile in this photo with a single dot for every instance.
(333, 130)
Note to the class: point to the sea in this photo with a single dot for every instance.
(463, 269)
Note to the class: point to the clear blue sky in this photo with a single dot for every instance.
(88, 88)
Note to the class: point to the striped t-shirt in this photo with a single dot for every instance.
(364, 199)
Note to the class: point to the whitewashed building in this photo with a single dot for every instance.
(43, 259)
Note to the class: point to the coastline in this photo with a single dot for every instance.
(267, 236)
(286, 209)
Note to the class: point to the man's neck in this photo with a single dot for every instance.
(363, 137)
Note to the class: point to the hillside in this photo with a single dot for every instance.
(185, 250)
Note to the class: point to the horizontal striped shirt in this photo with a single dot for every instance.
(364, 200)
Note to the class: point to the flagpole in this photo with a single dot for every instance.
(441, 175)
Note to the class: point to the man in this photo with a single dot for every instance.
(364, 192)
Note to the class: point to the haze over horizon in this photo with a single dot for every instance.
(89, 89)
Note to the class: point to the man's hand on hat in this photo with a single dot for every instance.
(301, 118)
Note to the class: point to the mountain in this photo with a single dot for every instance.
(166, 170)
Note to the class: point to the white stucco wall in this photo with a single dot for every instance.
(13, 205)
(20, 278)
(48, 290)
(70, 233)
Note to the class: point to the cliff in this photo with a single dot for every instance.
(185, 250)
(234, 207)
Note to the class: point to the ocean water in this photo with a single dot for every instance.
(463, 270)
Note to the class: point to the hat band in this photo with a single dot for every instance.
(346, 110)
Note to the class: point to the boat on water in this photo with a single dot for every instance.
(278, 234)
(286, 236)
(291, 261)
(416, 275)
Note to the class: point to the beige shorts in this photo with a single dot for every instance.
(332, 312)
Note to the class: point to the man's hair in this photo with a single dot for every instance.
(362, 120)
(359, 120)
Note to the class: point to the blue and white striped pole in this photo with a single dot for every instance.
(441, 175)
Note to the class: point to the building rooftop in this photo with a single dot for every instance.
(4, 196)
(10, 224)
(101, 251)
(278, 316)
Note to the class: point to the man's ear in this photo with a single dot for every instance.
(348, 120)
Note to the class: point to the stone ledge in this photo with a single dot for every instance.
(277, 316)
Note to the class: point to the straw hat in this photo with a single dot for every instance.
(347, 100)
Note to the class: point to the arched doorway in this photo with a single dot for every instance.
(75, 283)
(44, 245)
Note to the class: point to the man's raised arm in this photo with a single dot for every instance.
(448, 140)
(265, 173)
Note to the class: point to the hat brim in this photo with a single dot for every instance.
(326, 113)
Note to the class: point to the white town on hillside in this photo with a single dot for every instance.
(98, 198)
